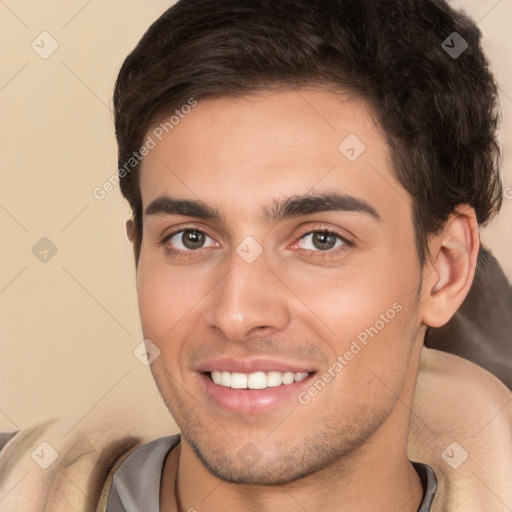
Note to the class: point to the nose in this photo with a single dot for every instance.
(250, 300)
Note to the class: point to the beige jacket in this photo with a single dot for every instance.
(461, 425)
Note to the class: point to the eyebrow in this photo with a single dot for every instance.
(290, 207)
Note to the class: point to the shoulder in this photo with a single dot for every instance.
(144, 460)
(49, 467)
(135, 479)
(462, 391)
(461, 425)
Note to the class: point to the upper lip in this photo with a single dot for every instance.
(253, 365)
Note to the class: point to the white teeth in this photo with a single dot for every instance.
(288, 378)
(256, 380)
(238, 380)
(226, 379)
(274, 379)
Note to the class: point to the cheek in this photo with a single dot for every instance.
(165, 306)
(350, 298)
(161, 299)
(153, 294)
(169, 298)
(366, 314)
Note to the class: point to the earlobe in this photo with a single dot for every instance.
(449, 274)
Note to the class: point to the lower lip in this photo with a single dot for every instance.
(252, 401)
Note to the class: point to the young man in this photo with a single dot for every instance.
(307, 182)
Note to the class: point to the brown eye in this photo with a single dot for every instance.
(324, 241)
(189, 240)
(192, 239)
(321, 241)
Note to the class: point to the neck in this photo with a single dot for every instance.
(377, 476)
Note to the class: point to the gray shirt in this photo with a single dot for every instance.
(136, 482)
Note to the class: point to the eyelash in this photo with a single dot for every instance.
(313, 253)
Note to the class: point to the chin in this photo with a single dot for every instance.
(249, 466)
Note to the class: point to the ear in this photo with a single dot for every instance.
(130, 230)
(131, 234)
(450, 267)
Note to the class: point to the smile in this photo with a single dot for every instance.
(255, 380)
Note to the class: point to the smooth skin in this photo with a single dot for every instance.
(304, 300)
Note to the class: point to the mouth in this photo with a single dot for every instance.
(253, 387)
(256, 380)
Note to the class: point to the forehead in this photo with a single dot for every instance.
(236, 153)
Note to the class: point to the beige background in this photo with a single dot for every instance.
(69, 325)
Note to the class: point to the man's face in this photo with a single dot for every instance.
(321, 293)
